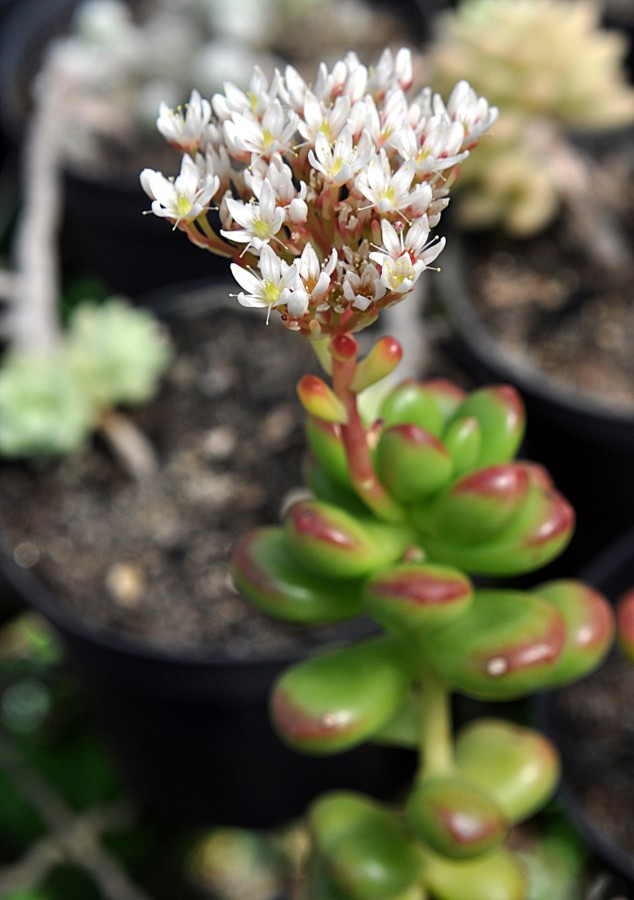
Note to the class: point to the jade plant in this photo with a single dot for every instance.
(324, 197)
(553, 72)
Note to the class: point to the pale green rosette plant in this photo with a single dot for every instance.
(110, 355)
(553, 72)
(324, 196)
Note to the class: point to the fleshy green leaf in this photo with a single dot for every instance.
(455, 818)
(505, 645)
(269, 576)
(364, 847)
(339, 698)
(517, 766)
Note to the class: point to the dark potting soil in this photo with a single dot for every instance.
(552, 307)
(150, 557)
(594, 721)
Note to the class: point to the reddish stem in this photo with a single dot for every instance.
(354, 435)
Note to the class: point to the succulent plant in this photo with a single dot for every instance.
(456, 503)
(551, 69)
(111, 354)
(325, 201)
(116, 352)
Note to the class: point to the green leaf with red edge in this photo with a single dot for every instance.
(412, 597)
(454, 817)
(590, 627)
(325, 488)
(500, 414)
(330, 541)
(505, 645)
(324, 439)
(412, 464)
(447, 395)
(463, 440)
(481, 504)
(365, 849)
(625, 624)
(516, 766)
(494, 876)
(339, 698)
(535, 535)
(264, 570)
(409, 403)
(380, 362)
(320, 400)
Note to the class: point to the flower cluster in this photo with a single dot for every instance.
(325, 195)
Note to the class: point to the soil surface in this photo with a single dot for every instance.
(150, 558)
(552, 306)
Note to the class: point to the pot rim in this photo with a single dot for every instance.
(605, 572)
(556, 398)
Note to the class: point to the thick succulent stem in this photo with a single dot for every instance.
(436, 746)
(354, 434)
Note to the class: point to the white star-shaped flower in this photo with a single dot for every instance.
(273, 287)
(389, 190)
(275, 132)
(183, 198)
(404, 259)
(184, 129)
(339, 162)
(260, 221)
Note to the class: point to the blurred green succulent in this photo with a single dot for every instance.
(116, 352)
(550, 69)
(450, 501)
(49, 404)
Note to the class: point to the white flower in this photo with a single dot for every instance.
(316, 278)
(339, 163)
(403, 260)
(274, 133)
(254, 102)
(182, 198)
(348, 78)
(185, 129)
(364, 288)
(389, 191)
(260, 221)
(275, 286)
(391, 71)
(473, 112)
(280, 178)
(318, 117)
(439, 147)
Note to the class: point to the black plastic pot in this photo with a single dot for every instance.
(581, 735)
(587, 447)
(190, 728)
